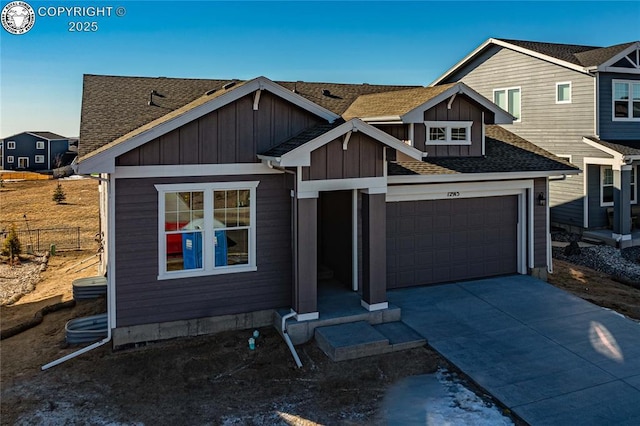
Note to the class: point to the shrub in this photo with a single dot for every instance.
(58, 194)
(12, 245)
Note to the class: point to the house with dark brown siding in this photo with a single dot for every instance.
(225, 202)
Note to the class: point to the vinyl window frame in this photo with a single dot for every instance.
(208, 261)
(10, 159)
(506, 94)
(448, 126)
(563, 83)
(11, 144)
(39, 144)
(633, 183)
(39, 159)
(630, 100)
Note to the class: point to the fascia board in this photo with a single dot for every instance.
(610, 151)
(470, 177)
(461, 63)
(416, 115)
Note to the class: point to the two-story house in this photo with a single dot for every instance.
(35, 151)
(222, 200)
(581, 103)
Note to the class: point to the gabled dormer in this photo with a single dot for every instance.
(442, 121)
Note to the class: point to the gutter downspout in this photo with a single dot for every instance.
(294, 220)
(549, 249)
(96, 344)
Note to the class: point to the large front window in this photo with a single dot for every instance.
(626, 100)
(206, 229)
(509, 100)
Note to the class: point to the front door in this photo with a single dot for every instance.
(23, 162)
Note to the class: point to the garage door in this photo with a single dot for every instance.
(439, 241)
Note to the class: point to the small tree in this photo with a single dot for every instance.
(58, 194)
(12, 245)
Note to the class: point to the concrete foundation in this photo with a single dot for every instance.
(126, 336)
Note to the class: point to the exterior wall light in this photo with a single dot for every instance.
(542, 201)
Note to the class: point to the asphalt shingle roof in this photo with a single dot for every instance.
(302, 138)
(585, 56)
(49, 135)
(624, 147)
(394, 103)
(505, 152)
(114, 106)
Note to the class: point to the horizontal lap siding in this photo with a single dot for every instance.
(558, 128)
(437, 241)
(234, 133)
(540, 224)
(610, 129)
(142, 299)
(597, 214)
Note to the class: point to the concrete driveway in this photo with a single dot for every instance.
(551, 357)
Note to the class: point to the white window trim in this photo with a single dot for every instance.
(11, 145)
(208, 259)
(506, 92)
(629, 101)
(602, 203)
(634, 192)
(23, 158)
(557, 93)
(39, 159)
(39, 144)
(448, 125)
(10, 159)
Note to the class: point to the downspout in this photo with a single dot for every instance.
(294, 220)
(548, 212)
(109, 302)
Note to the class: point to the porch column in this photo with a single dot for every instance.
(305, 292)
(374, 252)
(622, 204)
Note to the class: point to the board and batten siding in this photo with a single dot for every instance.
(143, 299)
(364, 157)
(558, 128)
(609, 129)
(234, 133)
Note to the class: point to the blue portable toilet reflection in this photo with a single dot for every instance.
(192, 250)
(221, 248)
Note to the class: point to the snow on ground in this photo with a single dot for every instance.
(439, 399)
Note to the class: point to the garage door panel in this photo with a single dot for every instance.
(464, 239)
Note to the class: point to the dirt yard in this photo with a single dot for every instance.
(205, 380)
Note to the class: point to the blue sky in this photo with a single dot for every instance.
(339, 41)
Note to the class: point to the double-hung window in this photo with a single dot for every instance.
(11, 145)
(626, 100)
(40, 145)
(206, 229)
(606, 186)
(509, 100)
(448, 132)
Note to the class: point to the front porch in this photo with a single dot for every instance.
(608, 237)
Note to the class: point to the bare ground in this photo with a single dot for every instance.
(209, 379)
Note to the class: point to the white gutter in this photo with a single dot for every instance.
(110, 305)
(287, 339)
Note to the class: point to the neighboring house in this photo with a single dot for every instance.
(36, 151)
(221, 201)
(579, 102)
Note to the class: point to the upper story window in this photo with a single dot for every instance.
(563, 93)
(509, 100)
(448, 132)
(626, 100)
(206, 229)
(40, 145)
(11, 145)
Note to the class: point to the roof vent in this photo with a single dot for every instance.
(151, 95)
(210, 92)
(229, 85)
(326, 92)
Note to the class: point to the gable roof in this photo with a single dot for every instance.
(409, 105)
(505, 153)
(44, 135)
(113, 106)
(624, 148)
(577, 57)
(297, 150)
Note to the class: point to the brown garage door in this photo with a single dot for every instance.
(439, 241)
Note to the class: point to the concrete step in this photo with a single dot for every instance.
(360, 339)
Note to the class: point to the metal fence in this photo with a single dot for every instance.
(42, 239)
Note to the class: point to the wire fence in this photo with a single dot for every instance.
(39, 240)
